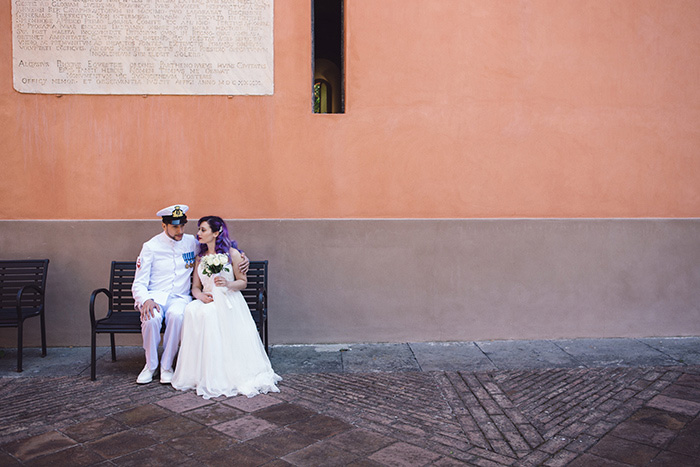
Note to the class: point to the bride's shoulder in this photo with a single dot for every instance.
(235, 255)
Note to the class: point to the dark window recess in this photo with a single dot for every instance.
(328, 89)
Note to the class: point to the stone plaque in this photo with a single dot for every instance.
(194, 47)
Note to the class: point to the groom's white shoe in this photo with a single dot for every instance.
(146, 376)
(166, 376)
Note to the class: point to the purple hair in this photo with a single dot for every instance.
(223, 242)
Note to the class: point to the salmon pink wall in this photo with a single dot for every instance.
(454, 108)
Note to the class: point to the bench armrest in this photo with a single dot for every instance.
(20, 293)
(93, 296)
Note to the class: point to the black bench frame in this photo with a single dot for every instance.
(123, 318)
(22, 290)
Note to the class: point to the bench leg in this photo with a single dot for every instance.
(43, 334)
(20, 331)
(114, 349)
(93, 356)
(265, 326)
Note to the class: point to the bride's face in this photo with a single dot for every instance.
(204, 233)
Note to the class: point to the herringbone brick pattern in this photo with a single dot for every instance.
(552, 417)
(540, 417)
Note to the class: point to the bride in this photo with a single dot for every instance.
(221, 352)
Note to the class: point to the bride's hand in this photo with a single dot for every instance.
(220, 282)
(206, 298)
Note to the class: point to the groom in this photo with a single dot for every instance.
(161, 289)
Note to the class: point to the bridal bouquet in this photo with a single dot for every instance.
(214, 264)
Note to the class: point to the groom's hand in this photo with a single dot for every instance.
(243, 265)
(148, 309)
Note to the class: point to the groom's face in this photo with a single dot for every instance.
(174, 231)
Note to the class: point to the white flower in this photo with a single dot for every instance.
(215, 263)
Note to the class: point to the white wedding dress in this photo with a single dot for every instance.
(221, 352)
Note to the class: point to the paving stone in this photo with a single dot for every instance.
(685, 350)
(589, 460)
(379, 357)
(184, 402)
(281, 442)
(239, 454)
(57, 362)
(661, 418)
(644, 433)
(213, 414)
(445, 462)
(613, 352)
(526, 354)
(7, 460)
(403, 455)
(451, 356)
(76, 456)
(688, 443)
(35, 446)
(321, 454)
(251, 404)
(674, 459)
(320, 426)
(284, 414)
(675, 405)
(245, 428)
(360, 441)
(278, 463)
(170, 427)
(141, 415)
(156, 455)
(120, 444)
(689, 379)
(679, 391)
(306, 359)
(622, 450)
(200, 442)
(93, 429)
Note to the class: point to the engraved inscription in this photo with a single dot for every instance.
(195, 47)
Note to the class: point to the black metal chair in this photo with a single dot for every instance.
(123, 318)
(22, 290)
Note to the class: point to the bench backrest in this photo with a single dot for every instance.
(120, 281)
(257, 280)
(15, 274)
(122, 277)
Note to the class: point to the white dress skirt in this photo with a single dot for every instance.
(221, 353)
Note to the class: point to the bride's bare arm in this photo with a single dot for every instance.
(197, 291)
(241, 281)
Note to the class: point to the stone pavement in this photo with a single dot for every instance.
(606, 402)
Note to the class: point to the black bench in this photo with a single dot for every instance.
(123, 318)
(22, 289)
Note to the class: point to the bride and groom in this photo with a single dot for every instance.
(221, 351)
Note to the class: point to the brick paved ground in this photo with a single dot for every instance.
(552, 417)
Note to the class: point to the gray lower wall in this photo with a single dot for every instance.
(384, 280)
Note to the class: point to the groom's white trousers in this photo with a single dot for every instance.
(174, 311)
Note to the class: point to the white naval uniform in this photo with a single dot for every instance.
(162, 276)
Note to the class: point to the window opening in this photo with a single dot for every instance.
(328, 89)
(323, 97)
